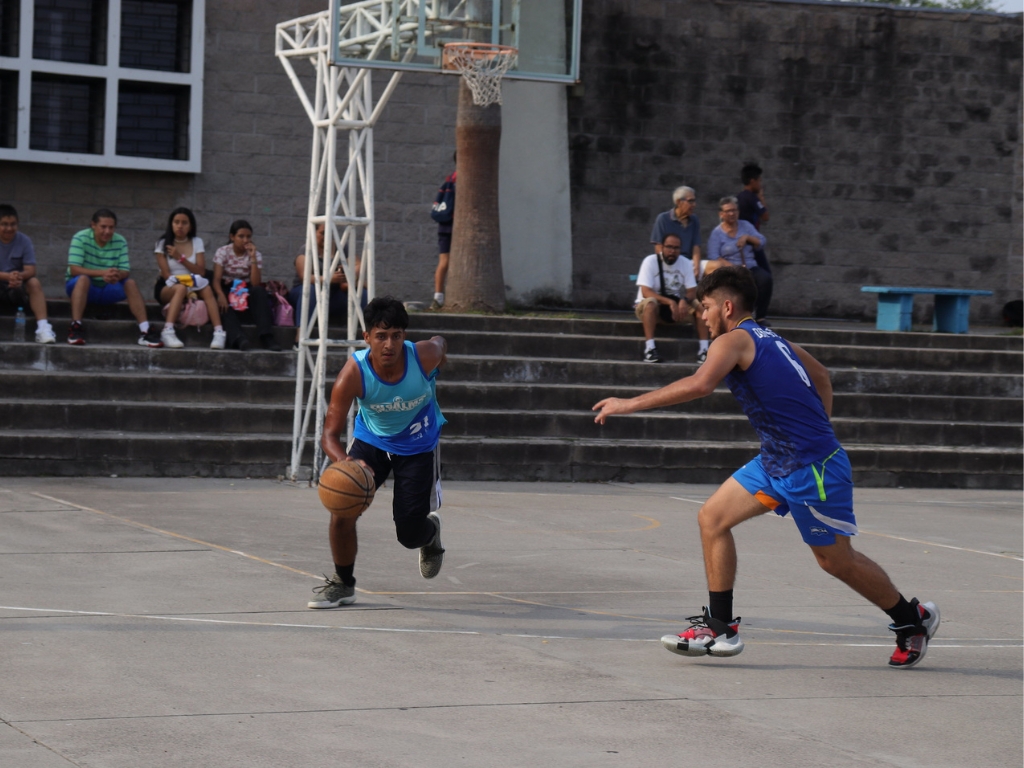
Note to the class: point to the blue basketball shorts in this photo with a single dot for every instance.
(108, 293)
(818, 496)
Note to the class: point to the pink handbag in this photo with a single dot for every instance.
(193, 312)
(284, 314)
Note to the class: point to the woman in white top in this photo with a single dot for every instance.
(182, 262)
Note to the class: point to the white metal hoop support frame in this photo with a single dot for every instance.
(342, 200)
(482, 66)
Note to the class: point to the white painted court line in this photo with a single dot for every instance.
(983, 643)
(508, 596)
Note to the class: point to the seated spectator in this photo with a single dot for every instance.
(338, 306)
(753, 208)
(181, 260)
(19, 286)
(682, 222)
(237, 269)
(666, 293)
(98, 273)
(733, 242)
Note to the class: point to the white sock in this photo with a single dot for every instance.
(144, 326)
(648, 345)
(704, 344)
(218, 328)
(439, 298)
(43, 324)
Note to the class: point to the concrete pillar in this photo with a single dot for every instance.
(536, 231)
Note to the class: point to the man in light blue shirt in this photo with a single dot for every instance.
(683, 223)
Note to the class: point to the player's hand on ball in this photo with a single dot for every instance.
(609, 407)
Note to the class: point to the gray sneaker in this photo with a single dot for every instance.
(432, 555)
(332, 593)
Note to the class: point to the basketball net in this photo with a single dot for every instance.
(482, 66)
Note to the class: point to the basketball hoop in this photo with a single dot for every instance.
(482, 65)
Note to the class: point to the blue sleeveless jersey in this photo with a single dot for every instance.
(403, 417)
(782, 404)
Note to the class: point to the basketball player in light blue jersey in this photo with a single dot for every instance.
(801, 470)
(396, 432)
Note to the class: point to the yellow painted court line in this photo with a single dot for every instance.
(497, 595)
(172, 534)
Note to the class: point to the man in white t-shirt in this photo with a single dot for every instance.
(666, 293)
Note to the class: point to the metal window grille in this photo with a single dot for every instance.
(102, 83)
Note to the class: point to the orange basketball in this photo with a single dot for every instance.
(346, 488)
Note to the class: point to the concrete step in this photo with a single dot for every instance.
(48, 452)
(661, 427)
(188, 387)
(561, 459)
(117, 321)
(152, 390)
(626, 326)
(126, 333)
(615, 373)
(496, 395)
(198, 418)
(155, 417)
(932, 410)
(116, 358)
(579, 347)
(138, 454)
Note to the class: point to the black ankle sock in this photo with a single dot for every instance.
(903, 613)
(345, 574)
(720, 605)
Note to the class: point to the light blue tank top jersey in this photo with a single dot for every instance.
(403, 417)
(785, 409)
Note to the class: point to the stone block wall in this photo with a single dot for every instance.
(890, 141)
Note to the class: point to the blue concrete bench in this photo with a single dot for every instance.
(896, 306)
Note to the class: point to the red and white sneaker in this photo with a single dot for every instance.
(706, 637)
(912, 639)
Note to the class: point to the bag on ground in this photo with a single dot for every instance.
(193, 312)
(283, 312)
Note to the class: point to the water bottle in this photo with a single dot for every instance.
(19, 325)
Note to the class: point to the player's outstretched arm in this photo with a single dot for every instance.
(819, 375)
(433, 352)
(347, 387)
(725, 353)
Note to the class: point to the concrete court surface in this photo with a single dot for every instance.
(162, 622)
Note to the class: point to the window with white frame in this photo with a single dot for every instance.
(108, 83)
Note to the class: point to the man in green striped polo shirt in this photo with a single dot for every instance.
(98, 273)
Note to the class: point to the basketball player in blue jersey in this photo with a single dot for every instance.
(396, 432)
(801, 470)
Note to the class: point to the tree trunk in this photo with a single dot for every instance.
(475, 279)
